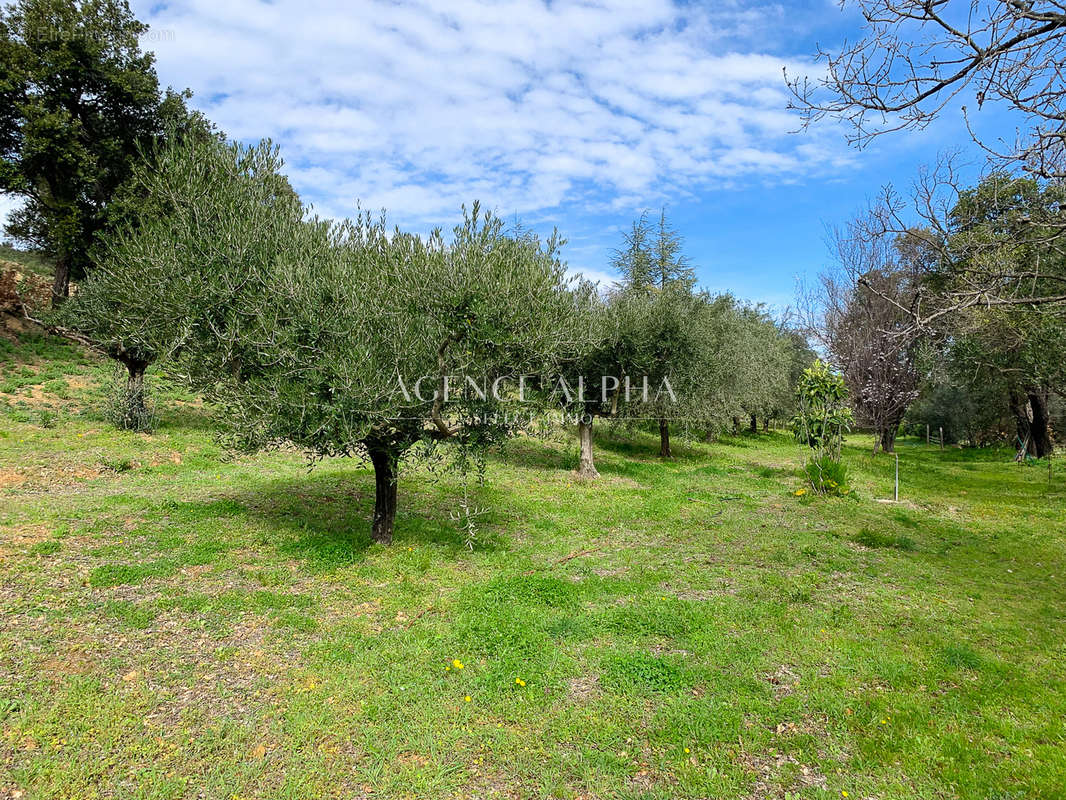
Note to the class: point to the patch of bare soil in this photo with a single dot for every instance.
(769, 771)
(21, 537)
(51, 476)
(38, 396)
(73, 662)
(582, 689)
(11, 477)
(784, 681)
(21, 290)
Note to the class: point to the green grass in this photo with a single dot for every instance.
(182, 622)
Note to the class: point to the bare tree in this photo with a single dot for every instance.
(863, 328)
(916, 58)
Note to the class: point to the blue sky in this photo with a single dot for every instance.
(570, 114)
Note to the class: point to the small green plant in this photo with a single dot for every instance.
(827, 476)
(47, 418)
(821, 423)
(641, 672)
(46, 548)
(118, 465)
(962, 656)
(56, 386)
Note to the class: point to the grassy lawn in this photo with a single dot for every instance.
(176, 621)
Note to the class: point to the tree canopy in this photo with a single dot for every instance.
(341, 338)
(78, 101)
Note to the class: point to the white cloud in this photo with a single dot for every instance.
(604, 279)
(527, 106)
(8, 203)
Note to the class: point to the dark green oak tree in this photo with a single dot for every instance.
(78, 99)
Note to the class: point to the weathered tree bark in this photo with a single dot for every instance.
(1040, 444)
(887, 438)
(754, 426)
(61, 282)
(135, 383)
(586, 467)
(736, 425)
(765, 424)
(384, 461)
(1019, 408)
(664, 438)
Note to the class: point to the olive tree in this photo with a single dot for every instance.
(367, 341)
(616, 372)
(587, 384)
(765, 356)
(202, 218)
(343, 339)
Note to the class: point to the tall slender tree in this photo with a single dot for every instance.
(654, 267)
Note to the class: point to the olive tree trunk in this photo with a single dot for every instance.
(664, 438)
(586, 467)
(1040, 426)
(135, 384)
(1030, 410)
(384, 461)
(131, 411)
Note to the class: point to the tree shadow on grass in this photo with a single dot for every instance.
(324, 519)
(173, 417)
(642, 446)
(534, 453)
(741, 440)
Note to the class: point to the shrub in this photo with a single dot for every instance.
(129, 407)
(822, 420)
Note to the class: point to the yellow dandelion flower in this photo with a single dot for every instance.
(800, 492)
(467, 698)
(457, 663)
(687, 750)
(519, 682)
